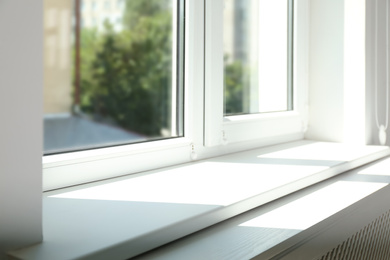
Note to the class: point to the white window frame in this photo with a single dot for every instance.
(204, 125)
(219, 129)
(68, 169)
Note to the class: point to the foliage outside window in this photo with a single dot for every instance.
(120, 84)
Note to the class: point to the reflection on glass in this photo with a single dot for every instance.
(257, 56)
(112, 72)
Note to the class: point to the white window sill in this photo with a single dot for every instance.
(304, 225)
(127, 216)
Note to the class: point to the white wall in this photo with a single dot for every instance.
(376, 60)
(343, 64)
(337, 78)
(21, 124)
(326, 69)
(355, 105)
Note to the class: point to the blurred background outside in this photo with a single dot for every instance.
(108, 73)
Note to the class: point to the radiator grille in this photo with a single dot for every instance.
(371, 242)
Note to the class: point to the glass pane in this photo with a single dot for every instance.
(257, 56)
(113, 72)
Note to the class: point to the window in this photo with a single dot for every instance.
(258, 56)
(110, 83)
(119, 3)
(189, 78)
(254, 41)
(107, 5)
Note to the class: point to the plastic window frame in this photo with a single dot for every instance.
(220, 129)
(202, 124)
(73, 168)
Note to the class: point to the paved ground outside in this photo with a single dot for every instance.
(69, 133)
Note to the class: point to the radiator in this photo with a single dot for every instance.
(371, 242)
(360, 231)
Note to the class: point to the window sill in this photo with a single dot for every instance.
(304, 225)
(127, 216)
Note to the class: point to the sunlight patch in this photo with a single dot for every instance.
(315, 207)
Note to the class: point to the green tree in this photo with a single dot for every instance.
(234, 86)
(127, 77)
(90, 43)
(137, 10)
